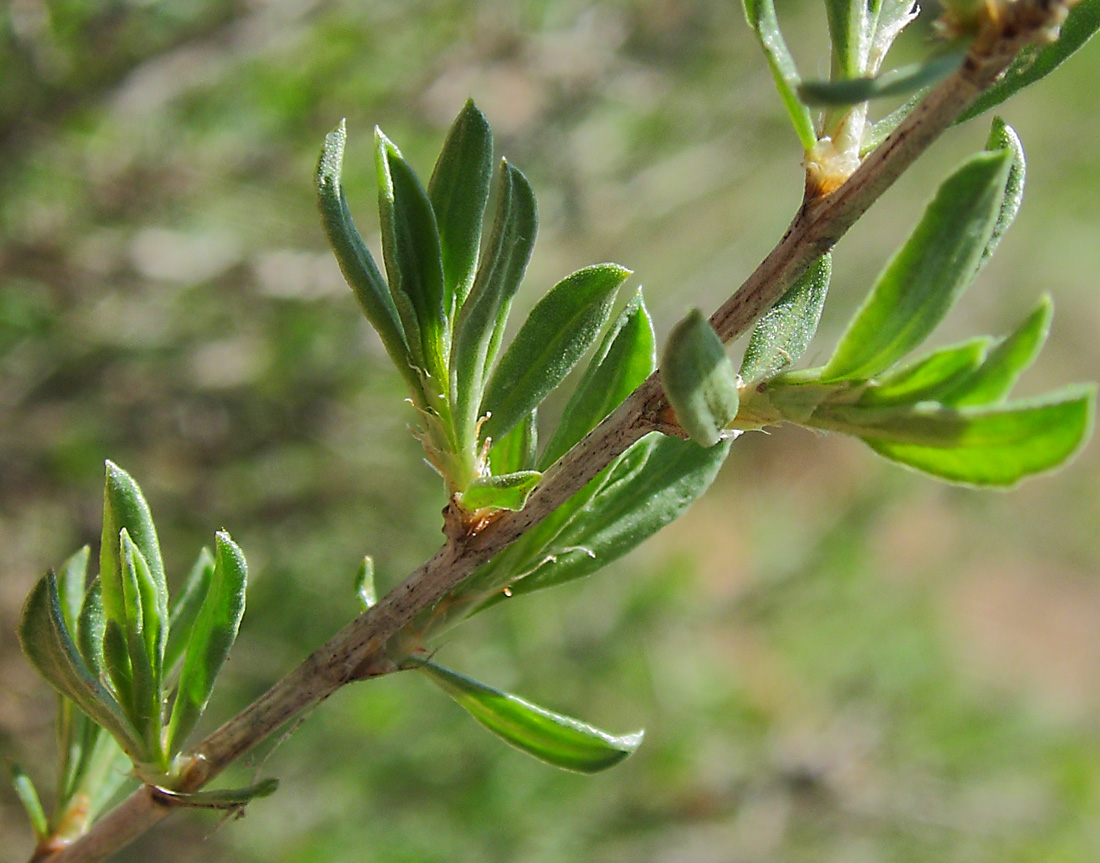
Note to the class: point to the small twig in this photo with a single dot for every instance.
(362, 649)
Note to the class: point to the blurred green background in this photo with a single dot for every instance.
(835, 660)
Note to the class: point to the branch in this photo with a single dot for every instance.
(363, 649)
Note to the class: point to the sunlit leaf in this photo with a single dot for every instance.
(143, 630)
(928, 274)
(929, 376)
(509, 491)
(560, 328)
(517, 450)
(28, 796)
(458, 191)
(1004, 137)
(699, 380)
(551, 737)
(782, 335)
(185, 609)
(220, 798)
(364, 583)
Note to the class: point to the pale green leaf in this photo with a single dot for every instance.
(218, 798)
(32, 804)
(517, 450)
(509, 491)
(699, 380)
(927, 378)
(896, 82)
(185, 609)
(364, 583)
(1004, 137)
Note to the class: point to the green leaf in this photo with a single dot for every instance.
(762, 19)
(124, 507)
(560, 328)
(699, 379)
(848, 32)
(624, 359)
(220, 798)
(144, 628)
(896, 82)
(32, 804)
(551, 737)
(926, 378)
(880, 130)
(992, 381)
(355, 260)
(1004, 137)
(509, 491)
(414, 264)
(458, 191)
(981, 446)
(517, 450)
(116, 662)
(213, 635)
(185, 609)
(928, 274)
(364, 583)
(1034, 63)
(481, 320)
(627, 510)
(784, 332)
(50, 648)
(71, 585)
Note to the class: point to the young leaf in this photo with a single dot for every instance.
(116, 662)
(185, 609)
(213, 635)
(925, 379)
(1034, 63)
(928, 274)
(784, 332)
(699, 379)
(414, 264)
(144, 627)
(762, 19)
(32, 804)
(848, 31)
(992, 381)
(482, 317)
(896, 82)
(551, 737)
(624, 359)
(364, 583)
(220, 798)
(991, 446)
(50, 648)
(71, 586)
(355, 260)
(125, 507)
(560, 328)
(509, 491)
(517, 450)
(1004, 137)
(458, 191)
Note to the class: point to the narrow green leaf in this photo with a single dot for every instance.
(71, 584)
(762, 19)
(116, 662)
(784, 332)
(926, 378)
(458, 191)
(624, 359)
(982, 446)
(213, 635)
(124, 506)
(90, 627)
(517, 450)
(50, 648)
(143, 628)
(848, 33)
(185, 609)
(880, 130)
(928, 274)
(414, 264)
(482, 318)
(509, 491)
(1004, 137)
(560, 328)
(32, 804)
(220, 798)
(993, 380)
(896, 82)
(551, 737)
(355, 260)
(364, 583)
(699, 379)
(628, 510)
(1034, 63)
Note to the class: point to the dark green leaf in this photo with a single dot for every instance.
(927, 377)
(928, 274)
(185, 609)
(625, 358)
(32, 804)
(50, 648)
(221, 798)
(414, 264)
(1035, 63)
(560, 328)
(459, 190)
(517, 450)
(896, 82)
(509, 491)
(213, 635)
(699, 379)
(355, 260)
(551, 737)
(783, 334)
(762, 19)
(116, 662)
(364, 583)
(994, 379)
(1004, 137)
(481, 320)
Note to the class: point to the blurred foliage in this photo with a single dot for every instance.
(834, 660)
